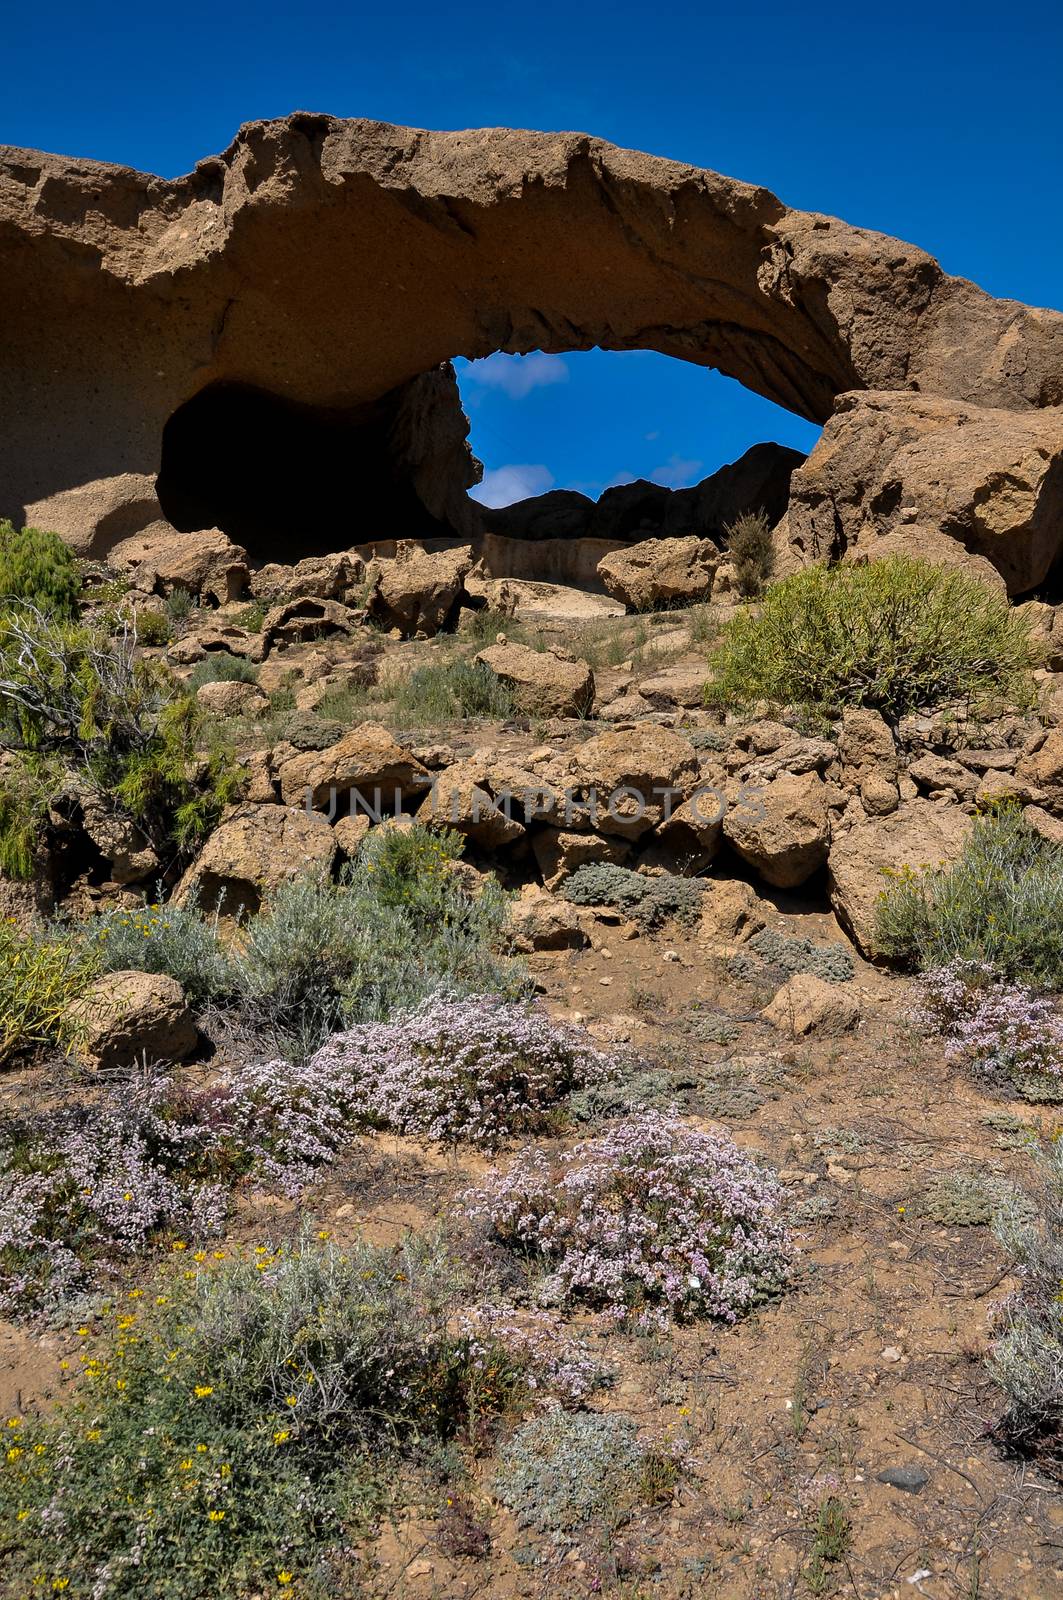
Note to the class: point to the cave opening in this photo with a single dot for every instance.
(287, 480)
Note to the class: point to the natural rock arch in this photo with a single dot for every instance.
(338, 265)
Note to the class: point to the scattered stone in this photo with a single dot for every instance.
(911, 1478)
(418, 592)
(808, 1005)
(132, 1017)
(232, 699)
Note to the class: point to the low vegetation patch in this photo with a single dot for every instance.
(561, 1470)
(1026, 1359)
(653, 1219)
(787, 955)
(1001, 903)
(1000, 1031)
(449, 691)
(475, 1071)
(649, 901)
(234, 1432)
(42, 976)
(898, 634)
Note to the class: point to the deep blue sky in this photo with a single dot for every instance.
(938, 122)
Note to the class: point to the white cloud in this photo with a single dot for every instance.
(677, 473)
(516, 375)
(501, 486)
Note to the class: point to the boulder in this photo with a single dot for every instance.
(457, 800)
(630, 778)
(675, 686)
(299, 621)
(333, 577)
(660, 572)
(688, 840)
(127, 1018)
(546, 922)
(232, 698)
(418, 592)
(544, 682)
(920, 835)
(252, 851)
(366, 762)
(935, 775)
(809, 1005)
(956, 482)
(731, 912)
(558, 852)
(1043, 770)
(160, 560)
(782, 829)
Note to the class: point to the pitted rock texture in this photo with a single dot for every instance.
(319, 274)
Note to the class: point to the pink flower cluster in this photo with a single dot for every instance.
(998, 1029)
(476, 1070)
(552, 1361)
(653, 1217)
(95, 1183)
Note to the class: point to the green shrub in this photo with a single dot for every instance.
(122, 723)
(39, 570)
(220, 667)
(750, 547)
(445, 692)
(399, 925)
(1001, 902)
(153, 628)
(42, 975)
(234, 1436)
(179, 604)
(898, 634)
(650, 901)
(171, 939)
(26, 788)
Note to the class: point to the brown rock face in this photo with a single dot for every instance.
(310, 284)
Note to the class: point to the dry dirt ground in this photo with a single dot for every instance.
(873, 1361)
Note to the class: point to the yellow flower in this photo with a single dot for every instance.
(215, 1516)
(199, 1255)
(281, 1436)
(291, 1400)
(20, 1516)
(14, 1453)
(185, 1465)
(136, 1294)
(203, 1389)
(179, 1244)
(128, 1195)
(201, 1449)
(219, 1255)
(284, 1577)
(94, 1436)
(323, 1233)
(59, 1584)
(14, 1422)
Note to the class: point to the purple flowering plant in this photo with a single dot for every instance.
(652, 1219)
(1000, 1030)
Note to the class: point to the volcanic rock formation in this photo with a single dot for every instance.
(263, 345)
